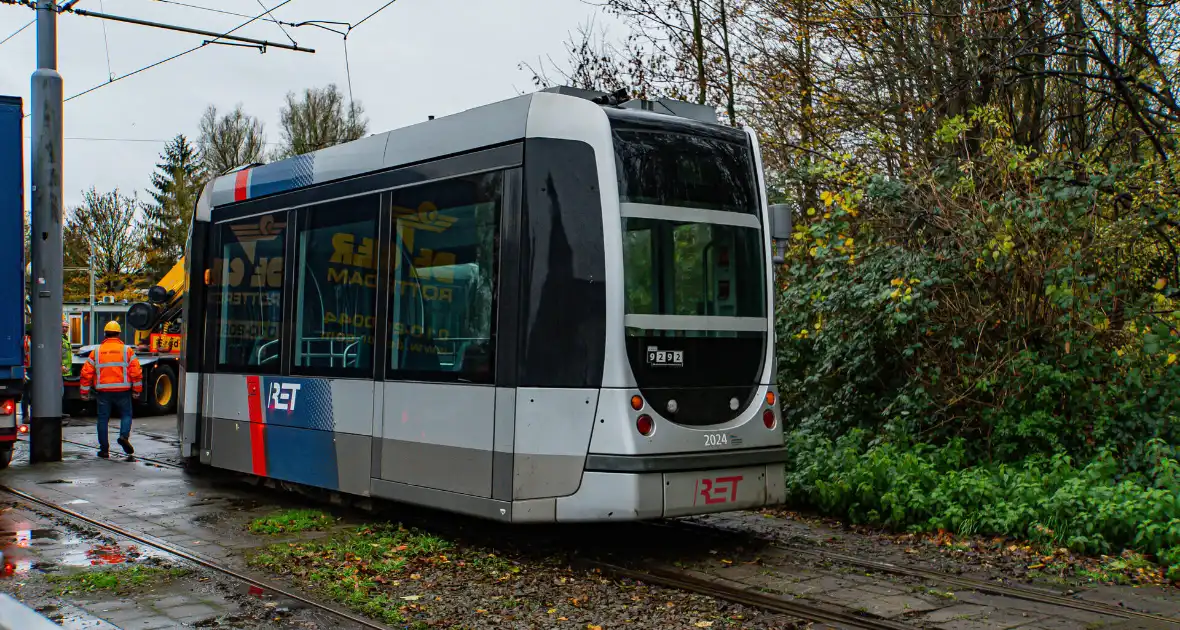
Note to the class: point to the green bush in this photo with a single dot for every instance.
(1013, 302)
(987, 345)
(918, 487)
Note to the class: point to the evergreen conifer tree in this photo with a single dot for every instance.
(176, 185)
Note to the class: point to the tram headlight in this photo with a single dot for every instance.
(673, 406)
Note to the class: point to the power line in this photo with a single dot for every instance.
(135, 140)
(262, 43)
(18, 31)
(176, 56)
(366, 18)
(344, 34)
(272, 17)
(107, 44)
(221, 11)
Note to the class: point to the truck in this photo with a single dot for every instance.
(12, 272)
(156, 325)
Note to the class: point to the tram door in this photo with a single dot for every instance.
(438, 416)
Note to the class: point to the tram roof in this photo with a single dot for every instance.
(484, 126)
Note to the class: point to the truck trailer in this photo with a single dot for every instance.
(12, 272)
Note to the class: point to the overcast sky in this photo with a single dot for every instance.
(414, 59)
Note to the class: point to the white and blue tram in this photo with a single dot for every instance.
(552, 308)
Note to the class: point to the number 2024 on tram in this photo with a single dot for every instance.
(554, 308)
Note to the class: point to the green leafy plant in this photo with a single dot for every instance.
(120, 580)
(291, 521)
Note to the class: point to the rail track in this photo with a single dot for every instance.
(189, 557)
(158, 462)
(673, 577)
(989, 588)
(727, 590)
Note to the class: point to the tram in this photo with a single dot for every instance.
(554, 308)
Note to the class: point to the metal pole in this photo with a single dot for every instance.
(91, 338)
(45, 432)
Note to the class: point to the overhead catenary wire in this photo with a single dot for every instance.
(17, 32)
(196, 31)
(280, 24)
(366, 18)
(133, 140)
(344, 34)
(176, 56)
(221, 11)
(106, 43)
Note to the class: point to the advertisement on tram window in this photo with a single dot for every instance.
(440, 286)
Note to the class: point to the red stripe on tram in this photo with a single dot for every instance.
(242, 185)
(257, 426)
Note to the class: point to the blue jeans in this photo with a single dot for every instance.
(122, 402)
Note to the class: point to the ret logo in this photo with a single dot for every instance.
(282, 396)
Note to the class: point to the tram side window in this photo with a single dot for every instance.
(443, 280)
(246, 296)
(336, 301)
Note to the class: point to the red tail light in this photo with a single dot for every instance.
(723, 290)
(24, 428)
(768, 419)
(645, 425)
(723, 257)
(7, 408)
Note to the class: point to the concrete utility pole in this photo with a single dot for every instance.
(46, 241)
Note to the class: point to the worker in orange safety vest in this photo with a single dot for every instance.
(119, 380)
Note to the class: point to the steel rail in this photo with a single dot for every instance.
(981, 586)
(180, 553)
(1013, 592)
(158, 462)
(885, 567)
(727, 591)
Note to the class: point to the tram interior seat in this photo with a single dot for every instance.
(339, 352)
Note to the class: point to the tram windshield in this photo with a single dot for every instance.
(692, 247)
(674, 268)
(689, 171)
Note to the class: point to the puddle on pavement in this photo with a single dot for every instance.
(22, 550)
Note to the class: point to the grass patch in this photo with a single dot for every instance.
(370, 568)
(291, 521)
(1093, 509)
(119, 580)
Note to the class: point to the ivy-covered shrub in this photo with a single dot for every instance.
(1010, 301)
(988, 345)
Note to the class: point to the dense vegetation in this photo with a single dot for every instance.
(990, 347)
(976, 324)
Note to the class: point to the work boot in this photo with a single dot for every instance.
(104, 454)
(126, 444)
